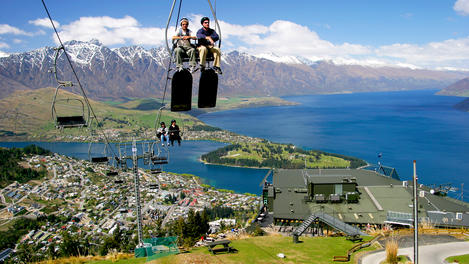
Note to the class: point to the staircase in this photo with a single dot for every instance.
(330, 221)
(304, 225)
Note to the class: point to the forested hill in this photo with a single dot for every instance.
(273, 155)
(11, 170)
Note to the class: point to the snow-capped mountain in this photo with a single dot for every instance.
(138, 72)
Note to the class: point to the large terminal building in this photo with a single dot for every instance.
(358, 197)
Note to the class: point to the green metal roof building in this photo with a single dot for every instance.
(358, 196)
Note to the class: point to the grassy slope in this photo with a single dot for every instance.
(32, 110)
(265, 249)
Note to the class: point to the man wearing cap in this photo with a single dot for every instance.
(184, 46)
(206, 42)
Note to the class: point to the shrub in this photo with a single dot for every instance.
(391, 251)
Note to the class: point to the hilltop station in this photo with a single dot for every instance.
(350, 200)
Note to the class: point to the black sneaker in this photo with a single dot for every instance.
(217, 70)
(202, 68)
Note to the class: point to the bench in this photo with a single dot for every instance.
(225, 243)
(355, 238)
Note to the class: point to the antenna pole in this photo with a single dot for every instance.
(416, 223)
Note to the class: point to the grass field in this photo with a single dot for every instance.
(463, 259)
(27, 115)
(30, 112)
(260, 152)
(265, 249)
(286, 156)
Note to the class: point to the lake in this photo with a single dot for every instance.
(183, 159)
(403, 126)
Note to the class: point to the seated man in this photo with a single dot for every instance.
(207, 38)
(184, 46)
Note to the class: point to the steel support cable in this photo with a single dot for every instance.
(158, 117)
(76, 76)
(216, 22)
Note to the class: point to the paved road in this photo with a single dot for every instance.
(427, 254)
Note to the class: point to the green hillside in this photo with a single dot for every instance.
(27, 115)
(264, 249)
(274, 155)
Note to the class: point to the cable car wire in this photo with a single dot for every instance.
(76, 76)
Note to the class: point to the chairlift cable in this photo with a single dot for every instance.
(216, 22)
(76, 76)
(158, 119)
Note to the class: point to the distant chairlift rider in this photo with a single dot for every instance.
(174, 133)
(162, 133)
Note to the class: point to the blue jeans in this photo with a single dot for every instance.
(163, 138)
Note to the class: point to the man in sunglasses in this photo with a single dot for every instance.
(206, 42)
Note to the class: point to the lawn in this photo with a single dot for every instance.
(265, 249)
(122, 261)
(463, 259)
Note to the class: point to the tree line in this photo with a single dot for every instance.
(11, 171)
(269, 159)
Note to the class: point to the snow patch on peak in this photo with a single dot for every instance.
(4, 54)
(284, 59)
(373, 63)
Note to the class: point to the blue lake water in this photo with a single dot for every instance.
(403, 126)
(183, 159)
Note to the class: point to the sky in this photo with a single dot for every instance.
(429, 34)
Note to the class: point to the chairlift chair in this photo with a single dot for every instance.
(155, 171)
(67, 112)
(117, 179)
(181, 81)
(98, 157)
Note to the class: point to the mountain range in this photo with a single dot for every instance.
(459, 88)
(138, 72)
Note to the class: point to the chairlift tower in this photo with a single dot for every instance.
(147, 156)
(137, 192)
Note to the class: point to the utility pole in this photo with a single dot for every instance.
(416, 222)
(137, 193)
(462, 191)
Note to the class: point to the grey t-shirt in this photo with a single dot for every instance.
(180, 42)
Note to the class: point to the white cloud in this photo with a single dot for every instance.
(44, 22)
(112, 31)
(448, 53)
(4, 45)
(7, 29)
(283, 38)
(286, 38)
(3, 54)
(16, 41)
(462, 7)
